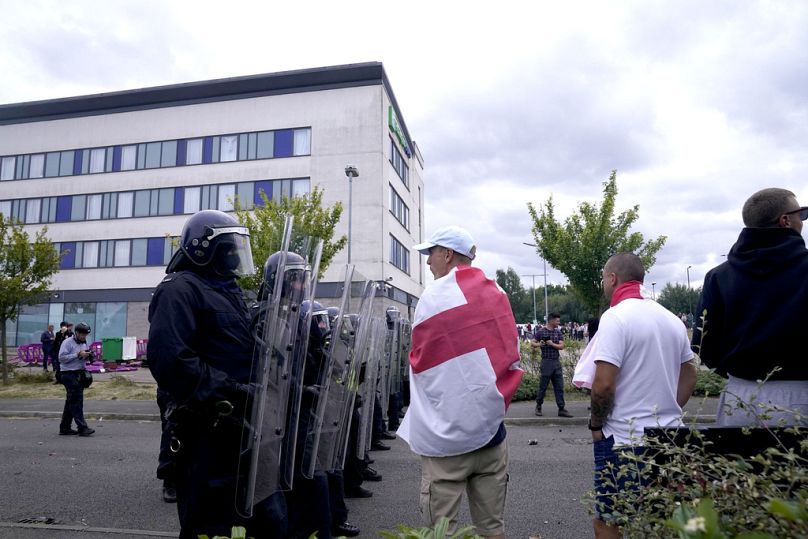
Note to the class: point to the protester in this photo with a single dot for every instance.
(464, 371)
(65, 331)
(752, 308)
(644, 374)
(551, 342)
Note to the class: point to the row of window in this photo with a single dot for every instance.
(399, 210)
(105, 319)
(399, 163)
(168, 153)
(399, 255)
(116, 253)
(150, 202)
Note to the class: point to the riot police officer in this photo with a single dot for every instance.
(200, 352)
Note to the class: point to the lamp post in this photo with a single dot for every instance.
(689, 303)
(653, 289)
(352, 173)
(535, 320)
(546, 304)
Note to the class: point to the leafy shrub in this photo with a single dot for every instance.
(708, 384)
(438, 531)
(117, 380)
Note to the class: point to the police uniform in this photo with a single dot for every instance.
(200, 352)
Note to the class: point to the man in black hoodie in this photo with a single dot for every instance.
(751, 310)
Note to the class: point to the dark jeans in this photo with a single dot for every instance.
(615, 473)
(555, 375)
(336, 498)
(47, 353)
(74, 402)
(166, 458)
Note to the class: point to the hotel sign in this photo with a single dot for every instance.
(395, 127)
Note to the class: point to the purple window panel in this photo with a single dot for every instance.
(179, 200)
(182, 149)
(265, 186)
(154, 251)
(284, 143)
(77, 162)
(63, 205)
(68, 251)
(116, 159)
(207, 150)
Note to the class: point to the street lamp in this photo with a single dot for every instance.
(352, 173)
(653, 289)
(546, 305)
(535, 320)
(689, 303)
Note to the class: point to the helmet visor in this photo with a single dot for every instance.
(238, 254)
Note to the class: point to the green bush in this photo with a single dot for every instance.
(708, 384)
(27, 377)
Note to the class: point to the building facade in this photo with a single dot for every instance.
(114, 177)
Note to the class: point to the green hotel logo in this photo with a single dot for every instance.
(395, 127)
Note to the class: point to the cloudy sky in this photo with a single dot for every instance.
(695, 104)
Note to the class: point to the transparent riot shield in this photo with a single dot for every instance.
(335, 387)
(391, 357)
(371, 360)
(266, 456)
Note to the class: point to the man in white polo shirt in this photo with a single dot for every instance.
(644, 374)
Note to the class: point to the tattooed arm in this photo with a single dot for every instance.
(602, 395)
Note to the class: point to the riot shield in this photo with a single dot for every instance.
(335, 386)
(266, 456)
(391, 357)
(371, 359)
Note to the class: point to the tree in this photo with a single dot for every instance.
(678, 298)
(266, 228)
(26, 269)
(580, 247)
(510, 282)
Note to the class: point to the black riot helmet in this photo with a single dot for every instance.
(214, 242)
(392, 314)
(293, 278)
(320, 323)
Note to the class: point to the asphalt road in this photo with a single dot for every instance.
(104, 486)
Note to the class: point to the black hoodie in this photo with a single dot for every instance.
(757, 308)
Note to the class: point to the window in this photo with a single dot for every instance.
(399, 164)
(37, 169)
(90, 255)
(98, 158)
(399, 210)
(138, 252)
(191, 202)
(125, 205)
(78, 207)
(106, 252)
(94, 206)
(153, 154)
(246, 195)
(300, 187)
(265, 145)
(7, 168)
(165, 205)
(66, 163)
(228, 147)
(48, 210)
(129, 157)
(142, 202)
(227, 194)
(399, 255)
(193, 152)
(122, 252)
(302, 141)
(5, 208)
(32, 210)
(169, 154)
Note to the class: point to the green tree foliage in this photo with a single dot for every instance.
(677, 298)
(26, 269)
(580, 246)
(311, 218)
(510, 282)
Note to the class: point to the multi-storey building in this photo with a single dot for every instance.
(114, 176)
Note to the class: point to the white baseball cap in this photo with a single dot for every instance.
(449, 237)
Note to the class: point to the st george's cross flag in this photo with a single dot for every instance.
(464, 365)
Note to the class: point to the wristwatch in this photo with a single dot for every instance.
(594, 428)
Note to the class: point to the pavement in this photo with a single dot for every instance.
(698, 410)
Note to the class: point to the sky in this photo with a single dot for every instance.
(696, 104)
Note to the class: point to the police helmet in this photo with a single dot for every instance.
(320, 322)
(294, 273)
(82, 327)
(214, 240)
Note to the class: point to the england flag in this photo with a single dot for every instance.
(464, 365)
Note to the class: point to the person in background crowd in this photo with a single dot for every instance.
(551, 341)
(73, 354)
(48, 353)
(65, 331)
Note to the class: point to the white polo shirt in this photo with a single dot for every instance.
(649, 344)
